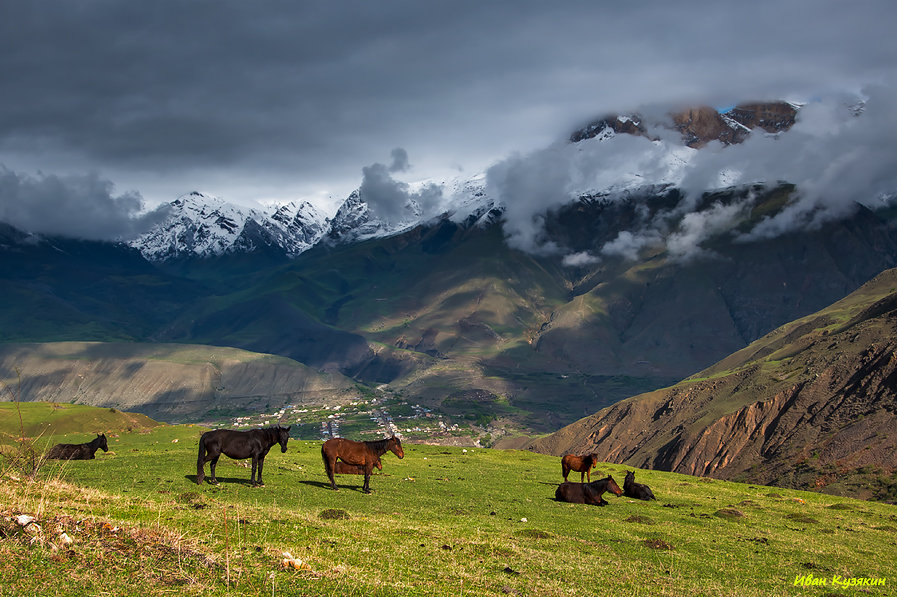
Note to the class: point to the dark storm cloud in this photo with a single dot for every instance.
(250, 100)
(74, 206)
(392, 200)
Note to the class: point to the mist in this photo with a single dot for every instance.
(838, 154)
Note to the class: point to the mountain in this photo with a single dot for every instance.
(812, 404)
(699, 125)
(204, 226)
(625, 283)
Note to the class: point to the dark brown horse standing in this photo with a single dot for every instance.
(587, 493)
(635, 490)
(79, 451)
(363, 454)
(238, 445)
(581, 464)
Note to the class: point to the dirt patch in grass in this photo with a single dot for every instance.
(840, 507)
(334, 514)
(639, 519)
(802, 518)
(729, 514)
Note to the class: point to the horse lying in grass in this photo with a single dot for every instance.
(587, 493)
(362, 454)
(79, 451)
(635, 490)
(239, 445)
(581, 464)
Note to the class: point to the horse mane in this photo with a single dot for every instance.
(379, 444)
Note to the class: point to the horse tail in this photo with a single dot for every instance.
(326, 460)
(201, 460)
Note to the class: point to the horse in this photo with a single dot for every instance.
(636, 490)
(363, 454)
(79, 451)
(342, 468)
(238, 445)
(581, 464)
(587, 493)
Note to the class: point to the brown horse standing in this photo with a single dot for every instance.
(79, 451)
(363, 454)
(587, 493)
(581, 464)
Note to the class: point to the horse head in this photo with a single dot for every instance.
(613, 487)
(630, 478)
(395, 445)
(103, 444)
(283, 435)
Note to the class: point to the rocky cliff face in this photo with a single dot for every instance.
(700, 125)
(812, 405)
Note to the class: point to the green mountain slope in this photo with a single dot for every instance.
(172, 382)
(450, 315)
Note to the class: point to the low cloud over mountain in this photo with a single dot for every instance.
(83, 206)
(837, 154)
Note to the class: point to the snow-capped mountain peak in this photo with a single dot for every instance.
(202, 225)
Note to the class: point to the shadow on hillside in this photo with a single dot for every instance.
(238, 481)
(326, 485)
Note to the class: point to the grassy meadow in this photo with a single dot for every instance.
(442, 521)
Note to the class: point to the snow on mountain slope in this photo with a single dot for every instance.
(612, 156)
(203, 226)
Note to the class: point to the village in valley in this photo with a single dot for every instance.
(368, 418)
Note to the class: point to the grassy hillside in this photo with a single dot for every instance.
(443, 521)
(80, 423)
(172, 382)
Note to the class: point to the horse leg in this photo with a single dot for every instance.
(212, 464)
(589, 475)
(565, 471)
(368, 467)
(259, 481)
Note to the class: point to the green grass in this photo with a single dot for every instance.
(47, 421)
(440, 522)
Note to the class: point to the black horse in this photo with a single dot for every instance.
(239, 445)
(635, 490)
(79, 451)
(362, 454)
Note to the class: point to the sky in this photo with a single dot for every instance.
(110, 109)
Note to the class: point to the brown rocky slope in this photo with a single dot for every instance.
(811, 405)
